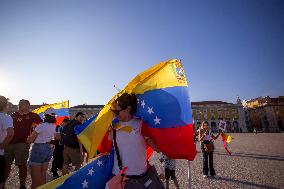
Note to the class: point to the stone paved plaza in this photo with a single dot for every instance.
(257, 161)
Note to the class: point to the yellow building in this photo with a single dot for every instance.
(265, 113)
(213, 111)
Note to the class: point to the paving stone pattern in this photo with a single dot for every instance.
(257, 161)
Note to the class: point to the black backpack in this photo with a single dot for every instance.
(69, 138)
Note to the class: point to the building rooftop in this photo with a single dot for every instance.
(210, 103)
(88, 106)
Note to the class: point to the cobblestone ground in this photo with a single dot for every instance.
(257, 161)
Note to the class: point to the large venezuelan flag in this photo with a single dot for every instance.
(163, 103)
(61, 110)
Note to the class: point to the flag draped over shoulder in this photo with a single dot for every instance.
(93, 175)
(163, 104)
(61, 110)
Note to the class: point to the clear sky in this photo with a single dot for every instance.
(77, 50)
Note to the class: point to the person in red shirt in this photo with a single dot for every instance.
(18, 149)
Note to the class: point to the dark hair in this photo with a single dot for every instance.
(3, 102)
(66, 119)
(126, 100)
(25, 101)
(79, 114)
(49, 118)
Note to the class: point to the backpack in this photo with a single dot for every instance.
(69, 138)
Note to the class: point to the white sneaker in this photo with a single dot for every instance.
(205, 176)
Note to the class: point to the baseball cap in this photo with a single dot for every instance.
(50, 111)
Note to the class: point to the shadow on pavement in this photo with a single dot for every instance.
(255, 156)
(248, 184)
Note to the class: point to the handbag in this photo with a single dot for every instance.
(148, 180)
(209, 147)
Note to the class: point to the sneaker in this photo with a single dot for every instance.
(205, 176)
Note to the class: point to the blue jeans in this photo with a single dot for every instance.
(41, 153)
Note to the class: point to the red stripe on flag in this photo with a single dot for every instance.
(149, 152)
(224, 139)
(60, 119)
(176, 143)
(226, 148)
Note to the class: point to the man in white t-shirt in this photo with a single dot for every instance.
(6, 135)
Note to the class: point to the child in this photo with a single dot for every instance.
(170, 170)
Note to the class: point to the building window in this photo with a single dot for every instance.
(213, 126)
(280, 125)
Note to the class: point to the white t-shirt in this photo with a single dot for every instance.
(6, 121)
(132, 148)
(45, 132)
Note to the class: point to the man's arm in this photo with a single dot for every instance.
(32, 137)
(145, 133)
(8, 138)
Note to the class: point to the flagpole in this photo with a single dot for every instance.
(118, 89)
(189, 175)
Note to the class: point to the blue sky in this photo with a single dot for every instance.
(77, 50)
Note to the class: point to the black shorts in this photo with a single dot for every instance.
(2, 169)
(170, 173)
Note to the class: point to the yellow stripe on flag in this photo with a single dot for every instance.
(92, 135)
(159, 76)
(228, 138)
(53, 184)
(59, 105)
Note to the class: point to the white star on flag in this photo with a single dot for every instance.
(150, 110)
(91, 171)
(100, 163)
(138, 100)
(85, 184)
(157, 120)
(143, 103)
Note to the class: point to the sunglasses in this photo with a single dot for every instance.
(116, 112)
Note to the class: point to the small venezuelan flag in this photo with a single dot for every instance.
(226, 139)
(61, 110)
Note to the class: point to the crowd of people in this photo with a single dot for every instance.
(28, 140)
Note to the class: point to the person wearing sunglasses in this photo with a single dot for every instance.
(129, 138)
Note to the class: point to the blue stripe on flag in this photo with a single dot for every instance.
(165, 108)
(92, 175)
(59, 112)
